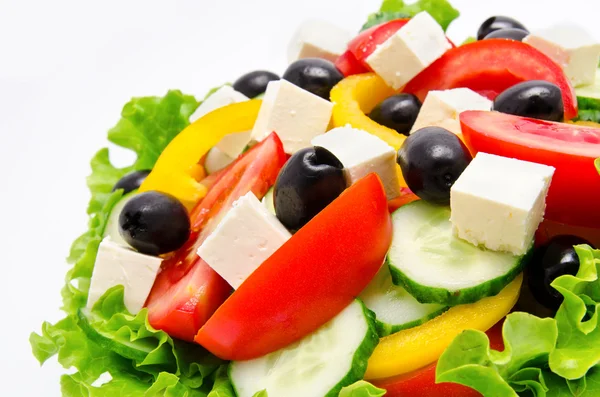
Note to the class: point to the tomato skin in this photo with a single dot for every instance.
(406, 196)
(490, 67)
(571, 149)
(367, 41)
(349, 65)
(187, 291)
(421, 383)
(309, 280)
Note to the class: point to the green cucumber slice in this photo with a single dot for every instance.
(269, 201)
(112, 225)
(588, 97)
(395, 309)
(319, 365)
(436, 267)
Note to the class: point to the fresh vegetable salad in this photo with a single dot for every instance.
(396, 214)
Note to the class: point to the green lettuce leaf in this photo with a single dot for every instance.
(469, 40)
(441, 10)
(597, 164)
(589, 115)
(148, 124)
(222, 386)
(552, 357)
(361, 389)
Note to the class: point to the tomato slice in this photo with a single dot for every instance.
(571, 149)
(490, 67)
(367, 41)
(349, 65)
(421, 383)
(406, 196)
(187, 291)
(309, 280)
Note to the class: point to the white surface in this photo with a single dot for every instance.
(362, 153)
(409, 51)
(118, 265)
(499, 202)
(246, 237)
(66, 69)
(316, 38)
(295, 114)
(572, 47)
(442, 108)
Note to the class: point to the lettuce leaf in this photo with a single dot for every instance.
(361, 389)
(597, 164)
(589, 115)
(441, 10)
(551, 357)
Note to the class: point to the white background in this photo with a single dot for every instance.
(67, 68)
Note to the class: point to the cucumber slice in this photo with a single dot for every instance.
(269, 201)
(112, 225)
(395, 309)
(319, 365)
(436, 267)
(588, 97)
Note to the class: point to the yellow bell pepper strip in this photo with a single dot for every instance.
(417, 347)
(357, 95)
(177, 171)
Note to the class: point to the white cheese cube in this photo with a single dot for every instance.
(442, 108)
(362, 153)
(216, 160)
(233, 144)
(118, 265)
(296, 115)
(499, 202)
(572, 47)
(409, 51)
(318, 39)
(247, 235)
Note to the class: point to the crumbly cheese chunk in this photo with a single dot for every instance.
(246, 237)
(499, 202)
(296, 115)
(572, 47)
(442, 108)
(409, 51)
(318, 39)
(362, 153)
(118, 265)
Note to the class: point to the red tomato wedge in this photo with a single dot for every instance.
(309, 280)
(421, 383)
(187, 291)
(406, 196)
(490, 67)
(349, 65)
(571, 149)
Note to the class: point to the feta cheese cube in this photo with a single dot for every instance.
(499, 202)
(442, 108)
(246, 236)
(318, 39)
(118, 265)
(233, 144)
(410, 50)
(296, 115)
(572, 47)
(362, 153)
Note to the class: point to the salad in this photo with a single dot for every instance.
(396, 214)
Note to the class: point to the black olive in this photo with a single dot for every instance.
(555, 258)
(508, 33)
(315, 75)
(431, 160)
(397, 112)
(496, 23)
(131, 181)
(535, 98)
(154, 223)
(254, 83)
(310, 180)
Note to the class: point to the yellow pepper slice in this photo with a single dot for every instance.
(585, 123)
(359, 94)
(177, 171)
(417, 347)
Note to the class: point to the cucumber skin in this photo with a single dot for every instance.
(358, 367)
(385, 329)
(425, 294)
